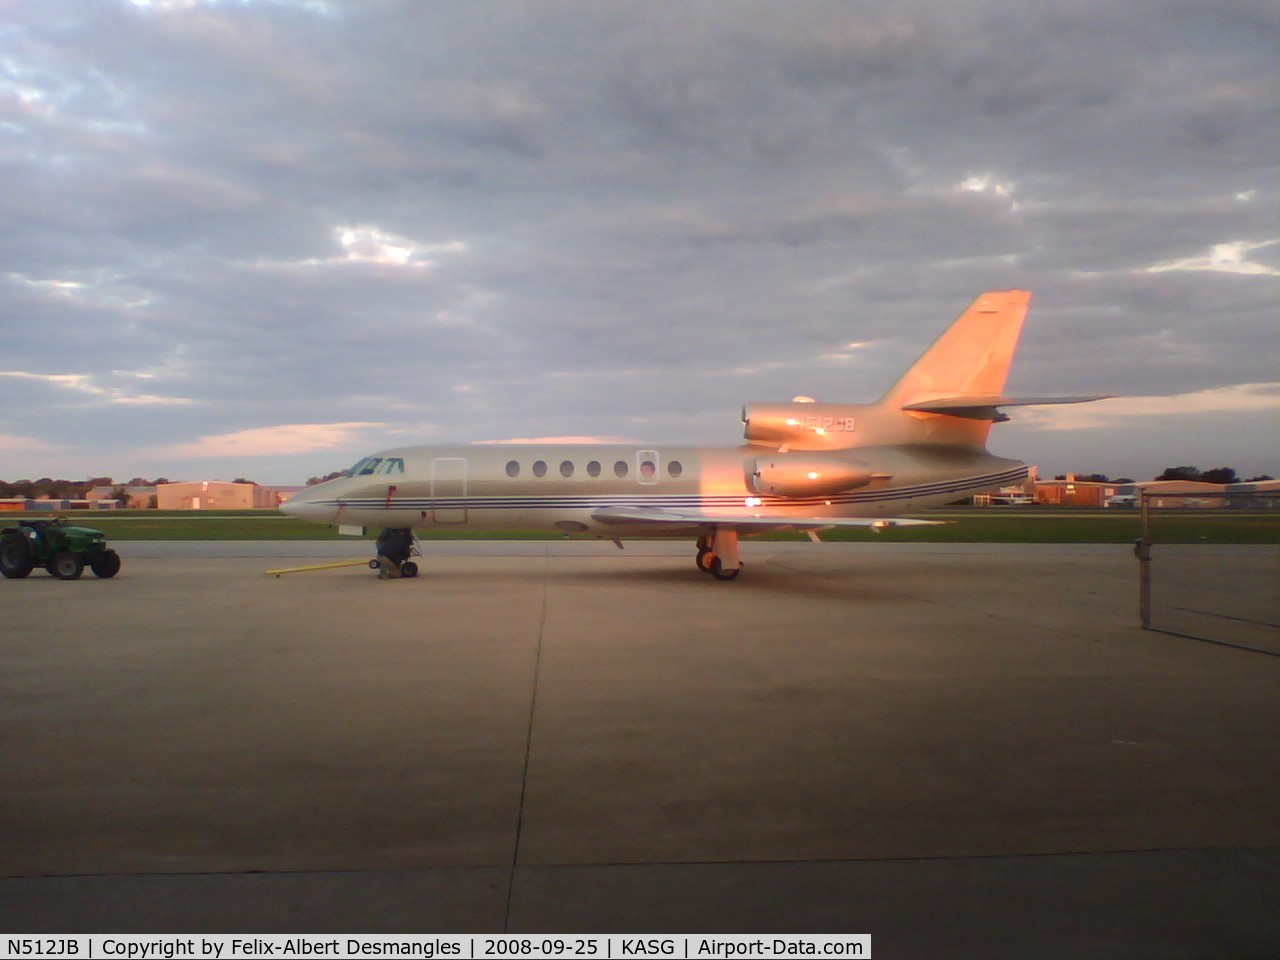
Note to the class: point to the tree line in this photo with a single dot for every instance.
(1216, 475)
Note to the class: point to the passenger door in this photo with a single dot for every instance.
(449, 490)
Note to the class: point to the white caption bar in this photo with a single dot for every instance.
(468, 946)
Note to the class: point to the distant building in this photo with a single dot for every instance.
(1010, 495)
(1266, 495)
(49, 504)
(1072, 492)
(137, 497)
(268, 498)
(220, 495)
(204, 495)
(1202, 494)
(1075, 493)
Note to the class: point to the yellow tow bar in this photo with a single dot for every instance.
(318, 566)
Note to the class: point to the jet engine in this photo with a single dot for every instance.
(803, 425)
(804, 475)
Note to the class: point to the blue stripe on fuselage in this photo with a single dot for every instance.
(678, 501)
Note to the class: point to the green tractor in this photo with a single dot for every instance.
(59, 547)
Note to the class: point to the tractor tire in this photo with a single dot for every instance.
(408, 569)
(15, 555)
(105, 564)
(66, 565)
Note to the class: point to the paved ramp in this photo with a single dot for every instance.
(941, 745)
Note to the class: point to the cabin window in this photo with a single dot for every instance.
(539, 468)
(674, 468)
(593, 468)
(566, 469)
(620, 468)
(647, 466)
(513, 468)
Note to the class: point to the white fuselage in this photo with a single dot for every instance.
(535, 486)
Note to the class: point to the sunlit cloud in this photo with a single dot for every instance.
(366, 244)
(751, 370)
(177, 6)
(553, 440)
(1232, 257)
(846, 353)
(13, 443)
(281, 440)
(85, 384)
(98, 291)
(988, 185)
(1236, 398)
(23, 100)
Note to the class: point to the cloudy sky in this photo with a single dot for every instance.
(264, 237)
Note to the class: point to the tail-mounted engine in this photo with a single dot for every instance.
(801, 426)
(804, 475)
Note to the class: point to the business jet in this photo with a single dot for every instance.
(803, 466)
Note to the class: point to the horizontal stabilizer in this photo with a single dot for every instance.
(658, 519)
(985, 408)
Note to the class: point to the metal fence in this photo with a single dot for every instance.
(1196, 585)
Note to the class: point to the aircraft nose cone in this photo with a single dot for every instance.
(300, 505)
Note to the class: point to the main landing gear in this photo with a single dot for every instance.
(718, 554)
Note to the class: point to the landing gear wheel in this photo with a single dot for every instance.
(718, 571)
(66, 565)
(704, 560)
(106, 564)
(408, 569)
(15, 556)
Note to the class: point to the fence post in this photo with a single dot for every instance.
(1142, 550)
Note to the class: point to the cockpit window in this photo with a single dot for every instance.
(366, 467)
(392, 465)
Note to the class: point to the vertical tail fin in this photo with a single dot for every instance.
(971, 359)
(969, 362)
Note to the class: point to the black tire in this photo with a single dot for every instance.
(703, 560)
(66, 565)
(408, 569)
(105, 564)
(374, 564)
(718, 571)
(15, 555)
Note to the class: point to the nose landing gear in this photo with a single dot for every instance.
(395, 545)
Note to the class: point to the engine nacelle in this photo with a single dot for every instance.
(804, 475)
(801, 425)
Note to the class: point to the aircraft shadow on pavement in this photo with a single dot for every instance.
(787, 575)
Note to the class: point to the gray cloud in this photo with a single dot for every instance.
(618, 219)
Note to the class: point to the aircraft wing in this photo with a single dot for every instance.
(660, 519)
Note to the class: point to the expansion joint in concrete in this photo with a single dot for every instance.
(528, 741)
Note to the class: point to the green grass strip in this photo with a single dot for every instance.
(979, 525)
